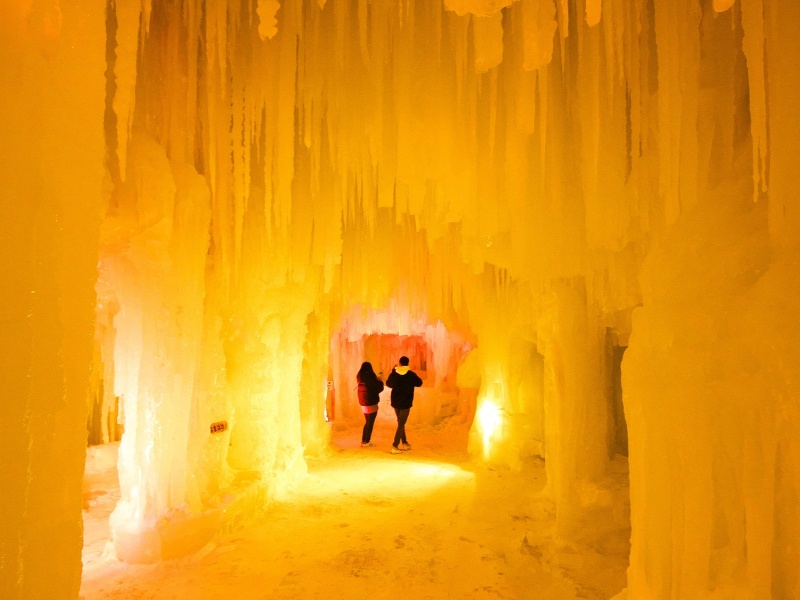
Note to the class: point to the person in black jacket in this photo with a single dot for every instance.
(369, 388)
(402, 380)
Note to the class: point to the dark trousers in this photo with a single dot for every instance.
(366, 434)
(400, 434)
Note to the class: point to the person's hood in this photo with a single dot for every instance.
(401, 370)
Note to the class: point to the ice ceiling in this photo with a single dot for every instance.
(212, 209)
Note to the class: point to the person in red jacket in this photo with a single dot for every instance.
(402, 380)
(369, 388)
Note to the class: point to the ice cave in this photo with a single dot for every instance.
(579, 219)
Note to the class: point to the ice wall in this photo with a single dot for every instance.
(51, 176)
(708, 381)
(709, 400)
(152, 266)
(500, 168)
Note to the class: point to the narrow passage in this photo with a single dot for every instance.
(427, 524)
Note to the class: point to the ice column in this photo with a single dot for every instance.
(783, 55)
(709, 422)
(709, 378)
(153, 265)
(575, 405)
(51, 157)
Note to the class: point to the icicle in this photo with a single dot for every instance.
(613, 39)
(562, 14)
(479, 8)
(492, 112)
(543, 97)
(217, 36)
(283, 172)
(539, 21)
(267, 18)
(239, 160)
(192, 21)
(678, 63)
(635, 76)
(129, 17)
(593, 11)
(753, 47)
(342, 32)
(588, 84)
(362, 30)
(488, 39)
(563, 18)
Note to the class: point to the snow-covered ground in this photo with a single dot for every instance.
(366, 524)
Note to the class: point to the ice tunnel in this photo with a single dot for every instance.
(580, 219)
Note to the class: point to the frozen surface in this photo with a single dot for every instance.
(705, 405)
(100, 496)
(51, 194)
(511, 191)
(365, 523)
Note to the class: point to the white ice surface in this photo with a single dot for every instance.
(367, 524)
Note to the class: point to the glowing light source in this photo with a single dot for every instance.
(489, 420)
(325, 393)
(375, 475)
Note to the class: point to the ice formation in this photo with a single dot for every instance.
(511, 191)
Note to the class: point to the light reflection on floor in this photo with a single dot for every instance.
(368, 524)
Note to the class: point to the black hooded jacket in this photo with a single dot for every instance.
(403, 387)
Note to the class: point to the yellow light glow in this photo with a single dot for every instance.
(434, 471)
(375, 476)
(325, 389)
(489, 420)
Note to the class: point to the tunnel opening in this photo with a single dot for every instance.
(616, 345)
(433, 482)
(619, 430)
(435, 354)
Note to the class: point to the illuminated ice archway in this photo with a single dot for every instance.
(382, 337)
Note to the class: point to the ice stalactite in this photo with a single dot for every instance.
(488, 40)
(540, 26)
(593, 11)
(267, 10)
(780, 21)
(128, 15)
(676, 26)
(753, 47)
(479, 8)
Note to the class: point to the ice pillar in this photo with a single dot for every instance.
(783, 67)
(153, 265)
(509, 418)
(706, 410)
(575, 403)
(51, 159)
(266, 357)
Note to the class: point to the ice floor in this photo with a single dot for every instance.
(366, 524)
